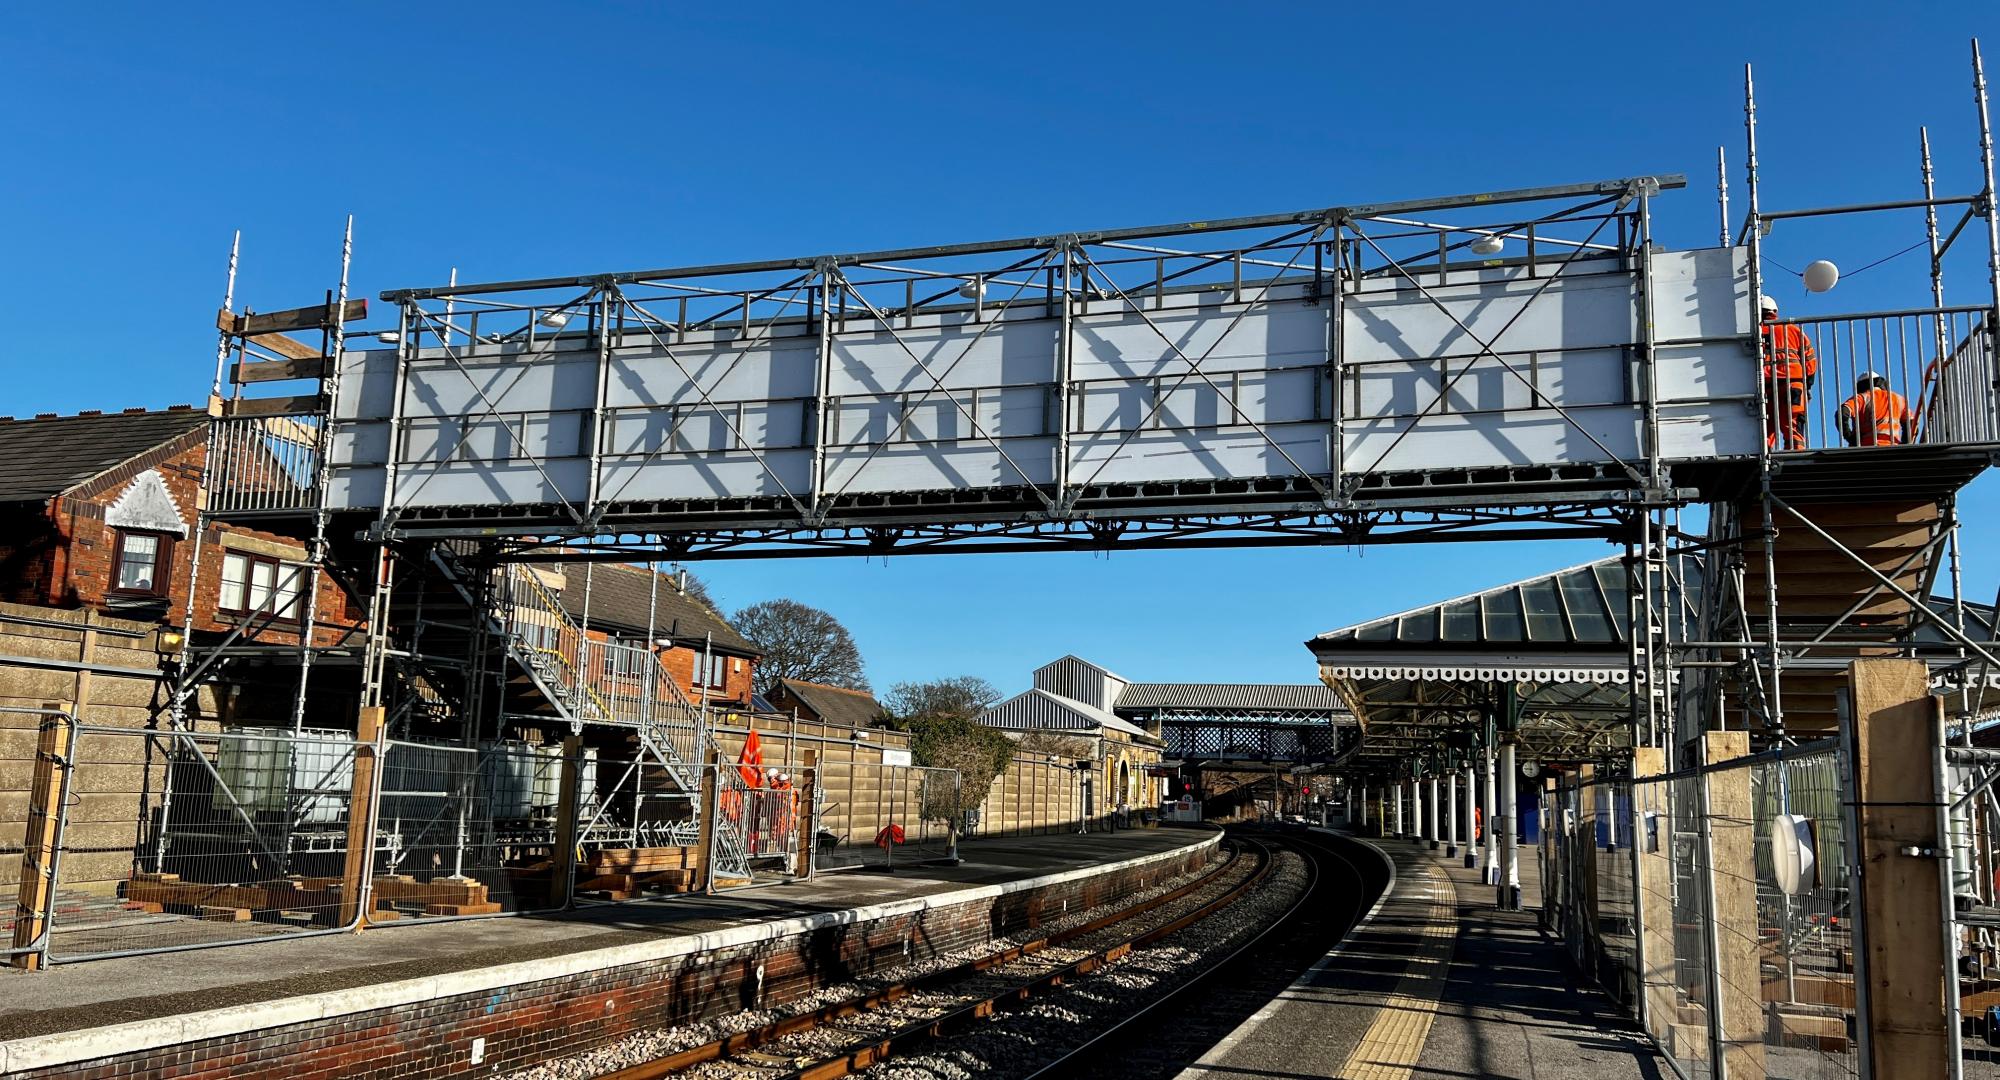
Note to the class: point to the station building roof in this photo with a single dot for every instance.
(1252, 697)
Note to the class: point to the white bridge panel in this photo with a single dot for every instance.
(1191, 384)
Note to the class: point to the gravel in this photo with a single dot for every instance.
(1017, 1043)
(658, 1042)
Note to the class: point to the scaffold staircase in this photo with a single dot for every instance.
(551, 668)
(1830, 606)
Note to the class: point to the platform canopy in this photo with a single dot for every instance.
(1556, 643)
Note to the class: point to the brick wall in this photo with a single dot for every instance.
(529, 1022)
(63, 556)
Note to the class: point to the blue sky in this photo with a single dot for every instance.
(526, 141)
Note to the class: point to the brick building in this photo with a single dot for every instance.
(98, 512)
(825, 704)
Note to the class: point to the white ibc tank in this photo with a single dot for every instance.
(549, 775)
(507, 769)
(307, 776)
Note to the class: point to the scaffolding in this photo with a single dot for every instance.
(1528, 364)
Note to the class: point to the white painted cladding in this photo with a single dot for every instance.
(723, 415)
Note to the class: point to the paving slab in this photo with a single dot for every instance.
(1438, 982)
(100, 993)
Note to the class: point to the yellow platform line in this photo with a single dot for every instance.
(1389, 1049)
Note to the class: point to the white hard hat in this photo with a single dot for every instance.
(1765, 303)
(1868, 378)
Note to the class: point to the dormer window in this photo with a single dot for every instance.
(139, 565)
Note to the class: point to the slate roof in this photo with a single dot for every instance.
(1275, 696)
(836, 704)
(619, 595)
(44, 456)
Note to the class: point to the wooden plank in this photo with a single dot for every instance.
(1658, 982)
(262, 371)
(562, 870)
(290, 348)
(1733, 841)
(360, 816)
(279, 406)
(304, 318)
(1898, 727)
(37, 891)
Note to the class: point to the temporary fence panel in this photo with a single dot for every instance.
(176, 840)
(892, 815)
(638, 828)
(466, 830)
(1748, 942)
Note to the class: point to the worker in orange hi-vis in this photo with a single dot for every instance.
(1790, 368)
(1876, 415)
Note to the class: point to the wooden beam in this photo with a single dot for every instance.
(1652, 834)
(808, 773)
(316, 317)
(1733, 847)
(361, 814)
(1898, 727)
(562, 868)
(284, 406)
(262, 371)
(290, 348)
(38, 854)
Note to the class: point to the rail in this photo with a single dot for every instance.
(598, 682)
(856, 1056)
(263, 464)
(1922, 376)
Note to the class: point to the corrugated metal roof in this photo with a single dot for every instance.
(1230, 696)
(1580, 606)
(1039, 710)
(45, 456)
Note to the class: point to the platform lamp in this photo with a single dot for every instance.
(168, 644)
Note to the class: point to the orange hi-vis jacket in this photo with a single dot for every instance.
(1790, 365)
(1789, 357)
(1877, 417)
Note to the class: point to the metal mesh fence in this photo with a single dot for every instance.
(466, 830)
(174, 840)
(1717, 903)
(892, 815)
(1805, 925)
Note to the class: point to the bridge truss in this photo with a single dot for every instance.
(1527, 364)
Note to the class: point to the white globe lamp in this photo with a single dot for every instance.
(1821, 275)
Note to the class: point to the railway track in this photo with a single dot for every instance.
(1173, 1031)
(848, 1036)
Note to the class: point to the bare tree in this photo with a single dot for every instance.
(957, 697)
(800, 642)
(1057, 743)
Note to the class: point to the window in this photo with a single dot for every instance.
(261, 585)
(139, 563)
(711, 671)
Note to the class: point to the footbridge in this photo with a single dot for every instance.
(1781, 609)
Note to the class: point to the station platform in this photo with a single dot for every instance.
(412, 1000)
(1437, 982)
